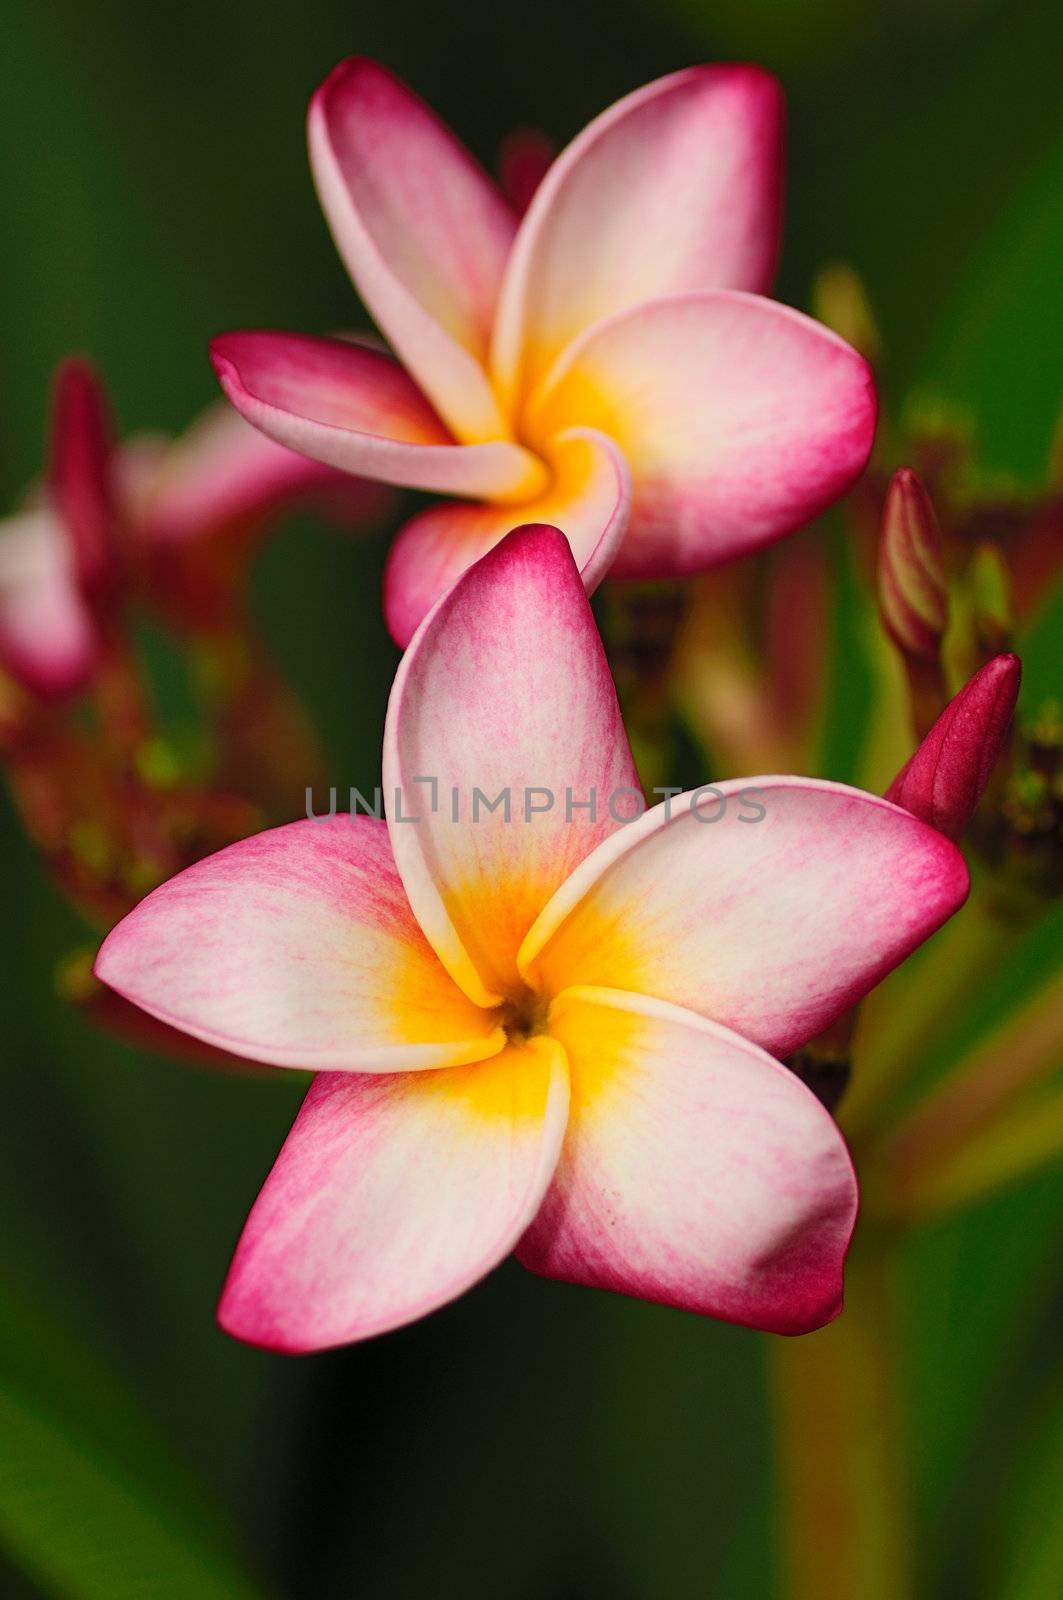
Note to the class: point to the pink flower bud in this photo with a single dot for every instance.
(80, 474)
(944, 780)
(913, 597)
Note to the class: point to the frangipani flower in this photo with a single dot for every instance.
(542, 1029)
(113, 517)
(607, 364)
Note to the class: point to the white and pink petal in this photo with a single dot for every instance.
(588, 499)
(696, 1171)
(393, 1195)
(298, 948)
(769, 905)
(48, 639)
(424, 233)
(677, 187)
(349, 406)
(504, 742)
(740, 419)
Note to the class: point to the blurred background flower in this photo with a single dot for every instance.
(531, 1441)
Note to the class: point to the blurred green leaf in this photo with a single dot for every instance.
(76, 1523)
(1000, 345)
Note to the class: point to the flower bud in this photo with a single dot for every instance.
(913, 596)
(945, 778)
(80, 475)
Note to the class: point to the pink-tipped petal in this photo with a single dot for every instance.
(770, 905)
(740, 420)
(393, 1195)
(945, 778)
(504, 691)
(675, 188)
(422, 229)
(696, 1171)
(351, 407)
(47, 638)
(80, 481)
(297, 947)
(589, 499)
(223, 473)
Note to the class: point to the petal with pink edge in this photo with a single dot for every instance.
(696, 1171)
(297, 947)
(349, 406)
(422, 229)
(503, 693)
(740, 420)
(221, 474)
(393, 1195)
(589, 499)
(47, 638)
(677, 187)
(770, 905)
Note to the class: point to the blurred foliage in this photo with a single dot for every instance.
(531, 1441)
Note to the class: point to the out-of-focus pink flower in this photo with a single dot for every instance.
(945, 778)
(110, 520)
(608, 364)
(538, 1026)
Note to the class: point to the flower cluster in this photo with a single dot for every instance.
(587, 1033)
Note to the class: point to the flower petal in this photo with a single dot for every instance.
(392, 1195)
(696, 1171)
(589, 499)
(352, 407)
(675, 188)
(423, 231)
(740, 419)
(297, 947)
(504, 690)
(220, 474)
(770, 905)
(47, 639)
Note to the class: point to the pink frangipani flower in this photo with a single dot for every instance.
(607, 362)
(114, 516)
(537, 1026)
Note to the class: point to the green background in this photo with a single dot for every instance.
(531, 1442)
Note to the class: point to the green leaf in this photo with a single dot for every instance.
(76, 1523)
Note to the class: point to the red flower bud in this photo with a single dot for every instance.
(945, 778)
(913, 597)
(80, 474)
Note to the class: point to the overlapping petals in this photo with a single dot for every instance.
(590, 491)
(354, 408)
(516, 632)
(626, 301)
(739, 418)
(696, 1170)
(596, 996)
(298, 948)
(423, 231)
(768, 904)
(677, 187)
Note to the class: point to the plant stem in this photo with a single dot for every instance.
(844, 1486)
